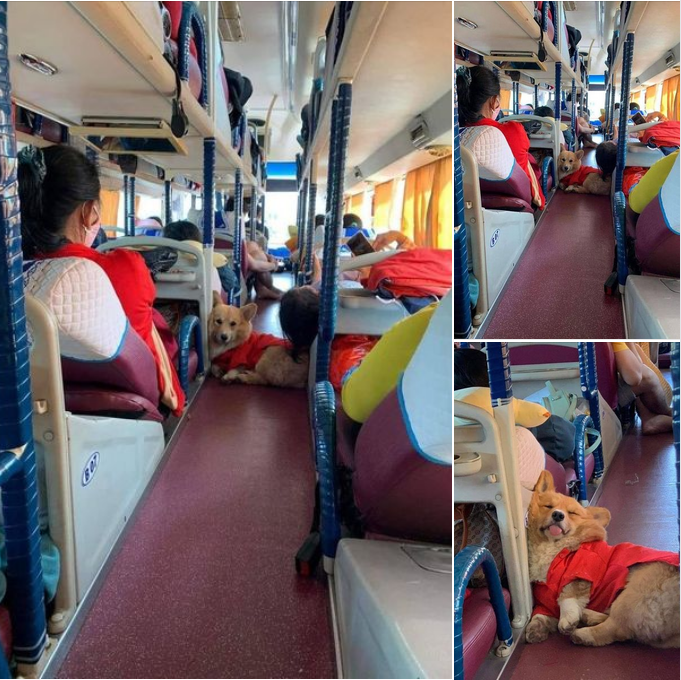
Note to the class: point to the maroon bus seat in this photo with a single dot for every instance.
(657, 246)
(479, 628)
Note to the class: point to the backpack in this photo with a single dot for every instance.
(574, 36)
(422, 272)
(240, 91)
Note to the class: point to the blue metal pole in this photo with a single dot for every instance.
(168, 201)
(131, 206)
(253, 215)
(573, 117)
(559, 71)
(466, 562)
(619, 217)
(536, 96)
(20, 492)
(208, 191)
(622, 134)
(302, 227)
(235, 296)
(309, 234)
(499, 370)
(462, 300)
(516, 94)
(675, 416)
(219, 201)
(126, 203)
(588, 379)
(579, 454)
(340, 132)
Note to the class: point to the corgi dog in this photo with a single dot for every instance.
(238, 354)
(595, 593)
(578, 178)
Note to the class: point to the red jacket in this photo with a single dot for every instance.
(578, 176)
(248, 354)
(606, 566)
(662, 134)
(136, 292)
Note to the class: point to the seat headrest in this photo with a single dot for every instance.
(669, 198)
(491, 150)
(425, 390)
(91, 322)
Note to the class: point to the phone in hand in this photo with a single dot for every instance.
(638, 119)
(359, 245)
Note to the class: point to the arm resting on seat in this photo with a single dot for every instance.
(465, 564)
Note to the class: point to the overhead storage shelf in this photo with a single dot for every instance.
(386, 100)
(108, 66)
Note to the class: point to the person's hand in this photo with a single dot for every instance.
(397, 237)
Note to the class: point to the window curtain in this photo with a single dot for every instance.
(110, 200)
(418, 188)
(669, 104)
(651, 99)
(506, 99)
(383, 198)
(356, 203)
(441, 213)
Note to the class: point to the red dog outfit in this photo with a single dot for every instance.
(578, 176)
(248, 354)
(607, 567)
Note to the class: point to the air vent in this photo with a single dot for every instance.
(229, 22)
(419, 132)
(670, 60)
(133, 136)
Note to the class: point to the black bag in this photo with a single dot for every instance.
(240, 91)
(574, 36)
(159, 259)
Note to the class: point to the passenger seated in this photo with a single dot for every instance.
(556, 435)
(642, 380)
(479, 97)
(59, 191)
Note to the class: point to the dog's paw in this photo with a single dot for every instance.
(217, 371)
(567, 624)
(231, 376)
(592, 618)
(570, 189)
(537, 630)
(583, 636)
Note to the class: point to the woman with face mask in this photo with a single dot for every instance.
(60, 217)
(479, 96)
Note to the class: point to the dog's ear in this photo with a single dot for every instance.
(217, 300)
(249, 311)
(601, 515)
(580, 154)
(544, 483)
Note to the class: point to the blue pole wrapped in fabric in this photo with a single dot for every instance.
(302, 228)
(619, 216)
(581, 423)
(192, 23)
(208, 191)
(499, 370)
(19, 491)
(461, 283)
(309, 233)
(675, 416)
(466, 562)
(234, 295)
(573, 117)
(168, 201)
(588, 379)
(627, 60)
(340, 132)
(130, 216)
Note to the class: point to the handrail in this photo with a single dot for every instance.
(20, 491)
(619, 218)
(622, 134)
(581, 423)
(466, 563)
(193, 21)
(588, 379)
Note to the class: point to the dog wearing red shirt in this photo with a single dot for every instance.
(239, 354)
(593, 592)
(578, 178)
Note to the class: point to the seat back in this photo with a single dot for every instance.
(657, 230)
(503, 183)
(106, 366)
(403, 456)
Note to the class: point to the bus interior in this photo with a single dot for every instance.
(260, 531)
(614, 461)
(550, 257)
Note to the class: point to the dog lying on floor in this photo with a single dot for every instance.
(596, 593)
(238, 354)
(578, 178)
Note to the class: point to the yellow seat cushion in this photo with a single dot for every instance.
(527, 413)
(380, 371)
(650, 184)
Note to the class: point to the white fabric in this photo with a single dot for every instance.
(669, 198)
(426, 388)
(491, 151)
(216, 284)
(530, 457)
(90, 319)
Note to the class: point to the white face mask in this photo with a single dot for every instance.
(91, 234)
(495, 113)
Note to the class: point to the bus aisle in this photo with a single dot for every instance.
(236, 493)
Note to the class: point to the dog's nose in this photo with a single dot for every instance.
(557, 516)
(223, 336)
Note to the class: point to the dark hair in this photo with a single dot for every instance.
(350, 219)
(634, 107)
(156, 219)
(229, 206)
(470, 368)
(299, 317)
(606, 158)
(182, 230)
(319, 220)
(473, 90)
(617, 105)
(544, 111)
(52, 187)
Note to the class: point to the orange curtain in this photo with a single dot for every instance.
(506, 99)
(669, 105)
(441, 233)
(651, 99)
(355, 204)
(110, 201)
(418, 188)
(138, 200)
(383, 196)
